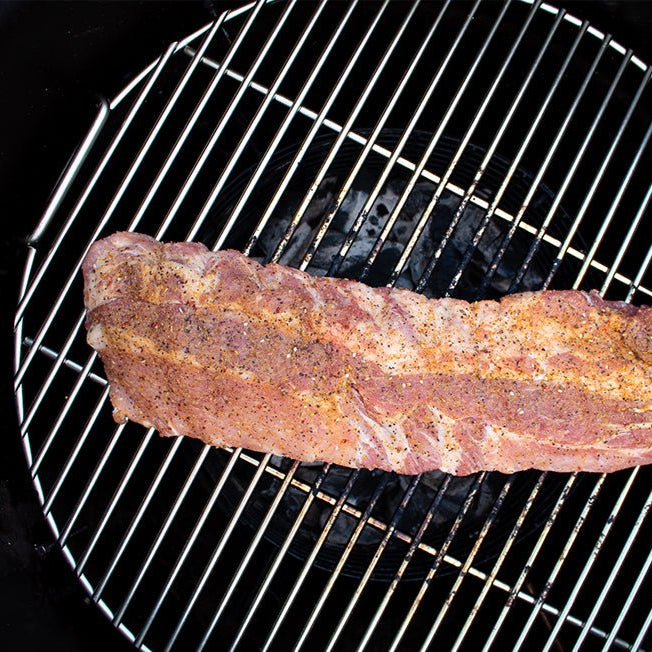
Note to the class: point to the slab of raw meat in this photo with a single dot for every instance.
(216, 346)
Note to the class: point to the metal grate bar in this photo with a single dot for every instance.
(369, 145)
(626, 241)
(407, 558)
(63, 538)
(160, 535)
(437, 562)
(203, 213)
(271, 572)
(63, 186)
(467, 564)
(598, 177)
(45, 386)
(248, 555)
(378, 491)
(612, 576)
(480, 111)
(296, 587)
(528, 564)
(549, 155)
(392, 526)
(99, 405)
(512, 169)
(18, 344)
(589, 563)
(201, 105)
(342, 136)
(219, 128)
(218, 551)
(499, 562)
(626, 606)
(431, 176)
(64, 291)
(559, 195)
(134, 522)
(61, 416)
(470, 191)
(560, 560)
(407, 132)
(186, 549)
(163, 529)
(622, 187)
(70, 364)
(259, 114)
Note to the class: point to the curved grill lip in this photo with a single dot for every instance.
(149, 79)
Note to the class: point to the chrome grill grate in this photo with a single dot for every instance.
(289, 130)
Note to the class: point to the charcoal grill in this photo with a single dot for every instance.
(457, 149)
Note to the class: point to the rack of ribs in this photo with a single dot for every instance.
(218, 347)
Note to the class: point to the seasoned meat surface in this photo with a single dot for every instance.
(218, 347)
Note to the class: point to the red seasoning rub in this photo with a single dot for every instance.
(218, 347)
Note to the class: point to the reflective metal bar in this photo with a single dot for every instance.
(219, 128)
(296, 587)
(437, 562)
(625, 608)
(627, 240)
(271, 148)
(392, 525)
(134, 522)
(369, 145)
(47, 382)
(541, 233)
(69, 175)
(47, 322)
(407, 558)
(560, 561)
(271, 572)
(469, 193)
(467, 564)
(260, 531)
(162, 533)
(60, 417)
(498, 563)
(636, 283)
(99, 405)
(622, 187)
(70, 364)
(479, 113)
(598, 177)
(341, 137)
(218, 550)
(190, 541)
(589, 563)
(552, 150)
(378, 491)
(407, 132)
(612, 576)
(93, 479)
(528, 564)
(180, 141)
